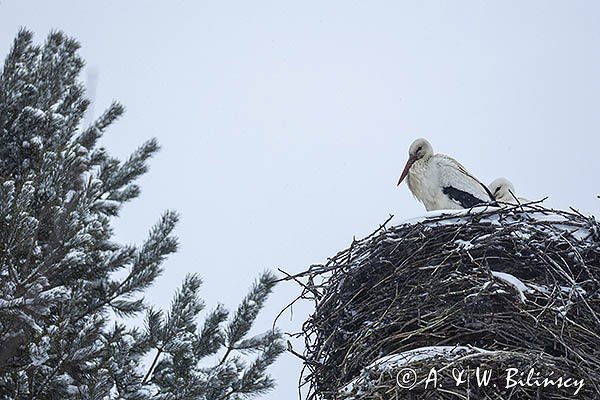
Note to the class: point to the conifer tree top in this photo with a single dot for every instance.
(61, 303)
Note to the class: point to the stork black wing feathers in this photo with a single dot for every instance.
(465, 199)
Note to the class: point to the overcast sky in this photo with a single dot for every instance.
(285, 125)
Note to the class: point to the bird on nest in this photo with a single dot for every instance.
(440, 182)
(504, 193)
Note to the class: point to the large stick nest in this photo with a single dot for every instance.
(490, 288)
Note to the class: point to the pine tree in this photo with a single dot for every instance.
(59, 192)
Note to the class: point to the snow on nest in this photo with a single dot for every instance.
(421, 353)
(459, 214)
(575, 290)
(501, 217)
(514, 281)
(464, 244)
(395, 361)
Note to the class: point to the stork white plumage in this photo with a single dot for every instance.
(440, 182)
(504, 193)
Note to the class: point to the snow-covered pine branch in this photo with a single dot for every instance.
(59, 192)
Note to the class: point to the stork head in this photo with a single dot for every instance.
(419, 149)
(501, 188)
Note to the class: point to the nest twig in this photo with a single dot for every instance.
(497, 288)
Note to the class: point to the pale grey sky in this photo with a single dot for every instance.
(285, 125)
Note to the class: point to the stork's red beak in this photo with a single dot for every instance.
(409, 164)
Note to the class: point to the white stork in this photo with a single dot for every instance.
(504, 192)
(440, 182)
